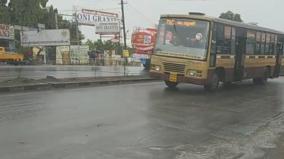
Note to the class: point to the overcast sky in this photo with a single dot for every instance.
(145, 13)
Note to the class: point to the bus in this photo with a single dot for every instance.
(208, 51)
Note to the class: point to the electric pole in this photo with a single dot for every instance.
(123, 24)
(56, 19)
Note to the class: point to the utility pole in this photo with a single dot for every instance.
(56, 19)
(77, 28)
(123, 24)
(124, 34)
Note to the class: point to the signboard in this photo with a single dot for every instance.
(108, 28)
(74, 54)
(144, 40)
(93, 17)
(79, 54)
(57, 37)
(106, 23)
(63, 55)
(7, 32)
(126, 53)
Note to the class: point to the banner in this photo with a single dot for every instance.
(7, 32)
(93, 17)
(144, 40)
(108, 28)
(74, 54)
(57, 37)
(106, 23)
(79, 54)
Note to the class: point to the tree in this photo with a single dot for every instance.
(32, 12)
(73, 27)
(4, 12)
(231, 16)
(27, 12)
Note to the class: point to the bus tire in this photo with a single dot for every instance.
(171, 84)
(213, 84)
(263, 80)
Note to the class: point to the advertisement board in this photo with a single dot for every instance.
(63, 55)
(74, 54)
(106, 23)
(56, 37)
(79, 54)
(144, 40)
(108, 28)
(93, 17)
(7, 32)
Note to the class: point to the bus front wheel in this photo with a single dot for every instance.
(213, 83)
(263, 80)
(171, 84)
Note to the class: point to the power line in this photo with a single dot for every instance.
(146, 17)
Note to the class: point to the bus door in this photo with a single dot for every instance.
(240, 54)
(279, 51)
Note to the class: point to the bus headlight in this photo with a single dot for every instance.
(194, 73)
(156, 67)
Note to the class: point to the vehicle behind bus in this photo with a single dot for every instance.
(10, 57)
(208, 51)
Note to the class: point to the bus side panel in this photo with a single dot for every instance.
(255, 66)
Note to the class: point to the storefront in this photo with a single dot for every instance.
(7, 37)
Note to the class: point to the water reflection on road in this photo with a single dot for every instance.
(143, 121)
(39, 72)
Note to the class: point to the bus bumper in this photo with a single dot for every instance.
(180, 78)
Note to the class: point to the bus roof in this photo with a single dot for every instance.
(223, 21)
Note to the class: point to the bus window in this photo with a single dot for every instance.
(272, 44)
(258, 43)
(267, 44)
(233, 43)
(251, 40)
(263, 43)
(220, 38)
(213, 46)
(227, 39)
(186, 37)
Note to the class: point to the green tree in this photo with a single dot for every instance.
(27, 12)
(4, 12)
(231, 16)
(31, 12)
(90, 44)
(106, 45)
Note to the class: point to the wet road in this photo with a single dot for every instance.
(39, 72)
(144, 121)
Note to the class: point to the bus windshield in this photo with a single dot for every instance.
(184, 37)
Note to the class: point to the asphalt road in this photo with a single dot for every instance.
(144, 121)
(8, 72)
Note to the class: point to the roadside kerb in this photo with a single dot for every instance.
(73, 83)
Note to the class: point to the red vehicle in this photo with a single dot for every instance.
(143, 41)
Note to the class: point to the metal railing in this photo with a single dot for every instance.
(73, 68)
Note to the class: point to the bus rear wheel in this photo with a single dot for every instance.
(260, 81)
(171, 84)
